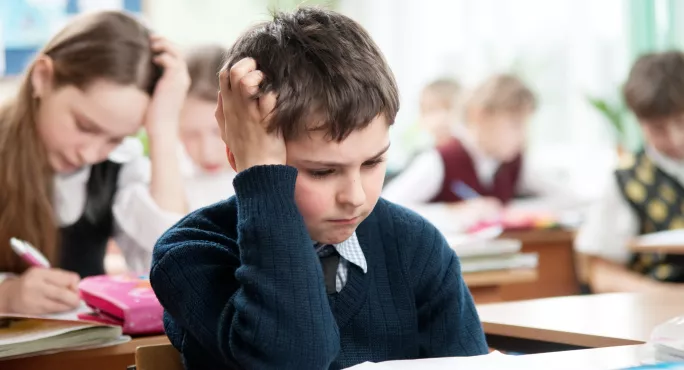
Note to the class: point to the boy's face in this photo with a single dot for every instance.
(339, 183)
(666, 135)
(501, 135)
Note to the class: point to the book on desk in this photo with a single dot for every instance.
(32, 335)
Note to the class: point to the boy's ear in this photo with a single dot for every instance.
(231, 159)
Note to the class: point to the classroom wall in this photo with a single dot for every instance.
(7, 87)
(200, 21)
(191, 22)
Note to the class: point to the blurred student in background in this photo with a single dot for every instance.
(208, 177)
(440, 106)
(646, 194)
(481, 168)
(70, 180)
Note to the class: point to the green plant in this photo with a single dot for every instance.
(142, 136)
(615, 114)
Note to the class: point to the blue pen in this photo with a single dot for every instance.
(463, 191)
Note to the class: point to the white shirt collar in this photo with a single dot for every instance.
(670, 166)
(485, 166)
(351, 251)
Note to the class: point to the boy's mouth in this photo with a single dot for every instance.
(345, 221)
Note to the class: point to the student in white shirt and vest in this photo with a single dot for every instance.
(646, 194)
(69, 179)
(486, 154)
(207, 175)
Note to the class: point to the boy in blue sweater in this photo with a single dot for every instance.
(305, 267)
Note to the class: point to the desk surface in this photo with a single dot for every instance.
(500, 277)
(112, 357)
(598, 358)
(541, 236)
(600, 320)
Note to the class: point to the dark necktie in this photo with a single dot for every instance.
(330, 259)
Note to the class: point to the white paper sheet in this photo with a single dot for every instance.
(493, 361)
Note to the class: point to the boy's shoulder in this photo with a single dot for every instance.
(405, 225)
(216, 219)
(220, 214)
(398, 214)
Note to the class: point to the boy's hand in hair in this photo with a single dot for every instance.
(243, 116)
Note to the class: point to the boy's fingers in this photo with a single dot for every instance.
(238, 71)
(249, 84)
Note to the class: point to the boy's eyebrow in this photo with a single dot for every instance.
(339, 164)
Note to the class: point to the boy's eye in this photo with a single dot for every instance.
(373, 163)
(318, 174)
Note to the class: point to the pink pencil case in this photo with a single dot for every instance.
(125, 300)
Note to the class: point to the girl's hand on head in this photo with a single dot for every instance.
(163, 114)
(244, 118)
(40, 291)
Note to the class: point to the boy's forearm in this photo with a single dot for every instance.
(282, 291)
(450, 325)
(606, 277)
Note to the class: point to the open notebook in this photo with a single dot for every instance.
(23, 336)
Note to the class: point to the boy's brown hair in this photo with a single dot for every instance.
(503, 93)
(655, 86)
(325, 69)
(204, 63)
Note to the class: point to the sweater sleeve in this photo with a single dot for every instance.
(447, 319)
(265, 308)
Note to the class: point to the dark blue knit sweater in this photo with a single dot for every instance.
(243, 288)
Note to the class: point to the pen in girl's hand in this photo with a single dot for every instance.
(29, 253)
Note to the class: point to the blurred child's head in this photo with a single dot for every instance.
(87, 89)
(336, 100)
(655, 93)
(496, 116)
(439, 104)
(198, 131)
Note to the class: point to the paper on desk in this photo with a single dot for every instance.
(70, 315)
(493, 361)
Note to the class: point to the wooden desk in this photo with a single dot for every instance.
(487, 286)
(556, 269)
(107, 358)
(590, 321)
